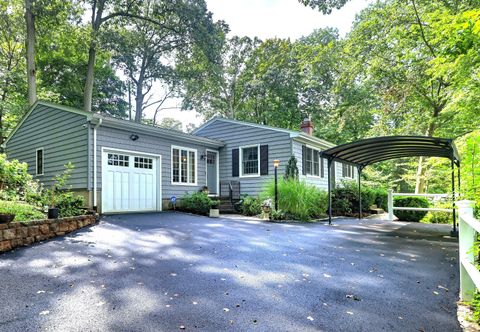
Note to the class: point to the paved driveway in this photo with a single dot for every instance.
(167, 271)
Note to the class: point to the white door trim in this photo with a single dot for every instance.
(218, 169)
(158, 159)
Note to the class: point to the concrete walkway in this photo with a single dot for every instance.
(173, 271)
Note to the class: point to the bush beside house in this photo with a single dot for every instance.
(345, 199)
(198, 202)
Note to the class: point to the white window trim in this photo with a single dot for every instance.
(240, 165)
(180, 167)
(43, 161)
(319, 176)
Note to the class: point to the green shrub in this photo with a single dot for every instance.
(439, 217)
(278, 215)
(22, 212)
(15, 182)
(291, 171)
(298, 199)
(345, 199)
(250, 206)
(70, 205)
(198, 203)
(475, 305)
(410, 201)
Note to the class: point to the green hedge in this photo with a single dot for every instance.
(345, 199)
(410, 201)
(198, 203)
(22, 211)
(298, 200)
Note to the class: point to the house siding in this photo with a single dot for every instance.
(108, 137)
(237, 135)
(63, 137)
(320, 182)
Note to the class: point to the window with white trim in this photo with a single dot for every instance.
(39, 161)
(250, 160)
(184, 166)
(115, 159)
(312, 162)
(347, 171)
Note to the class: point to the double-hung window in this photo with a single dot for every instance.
(184, 166)
(312, 162)
(250, 160)
(347, 171)
(39, 161)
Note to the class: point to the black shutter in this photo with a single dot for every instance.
(263, 159)
(304, 157)
(235, 164)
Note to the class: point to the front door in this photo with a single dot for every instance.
(212, 172)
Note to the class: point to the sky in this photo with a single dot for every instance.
(269, 19)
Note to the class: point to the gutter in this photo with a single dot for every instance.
(95, 163)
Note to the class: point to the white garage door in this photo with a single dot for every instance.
(129, 182)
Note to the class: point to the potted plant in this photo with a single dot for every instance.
(266, 209)
(214, 211)
(59, 182)
(52, 210)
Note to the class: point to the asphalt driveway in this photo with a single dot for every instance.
(171, 271)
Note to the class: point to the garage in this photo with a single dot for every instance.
(130, 182)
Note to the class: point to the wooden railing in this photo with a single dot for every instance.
(469, 227)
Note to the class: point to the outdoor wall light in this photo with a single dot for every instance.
(134, 137)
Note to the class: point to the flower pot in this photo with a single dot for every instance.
(53, 213)
(6, 218)
(214, 213)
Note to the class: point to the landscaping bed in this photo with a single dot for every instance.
(17, 234)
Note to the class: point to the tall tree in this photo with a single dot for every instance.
(30, 51)
(218, 92)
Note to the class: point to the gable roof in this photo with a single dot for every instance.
(88, 115)
(120, 124)
(296, 135)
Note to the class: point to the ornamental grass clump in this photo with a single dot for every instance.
(298, 200)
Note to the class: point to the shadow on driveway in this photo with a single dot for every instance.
(164, 271)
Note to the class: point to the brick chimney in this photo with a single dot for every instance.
(307, 126)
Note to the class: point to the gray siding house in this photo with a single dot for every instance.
(121, 166)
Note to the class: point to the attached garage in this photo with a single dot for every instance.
(131, 181)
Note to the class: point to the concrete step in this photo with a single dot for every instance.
(377, 211)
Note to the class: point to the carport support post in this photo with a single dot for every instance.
(359, 192)
(454, 230)
(329, 173)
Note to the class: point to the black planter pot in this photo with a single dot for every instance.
(52, 213)
(6, 218)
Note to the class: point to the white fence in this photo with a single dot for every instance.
(469, 227)
(392, 208)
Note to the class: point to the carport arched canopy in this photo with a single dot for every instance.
(373, 150)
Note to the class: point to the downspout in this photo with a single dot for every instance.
(95, 163)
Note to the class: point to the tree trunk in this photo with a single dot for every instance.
(30, 48)
(420, 181)
(139, 102)
(97, 12)
(88, 91)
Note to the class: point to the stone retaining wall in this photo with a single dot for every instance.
(16, 234)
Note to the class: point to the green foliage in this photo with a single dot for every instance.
(298, 200)
(324, 6)
(22, 211)
(414, 201)
(475, 305)
(198, 202)
(278, 215)
(291, 171)
(250, 206)
(15, 182)
(52, 194)
(345, 200)
(439, 217)
(70, 205)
